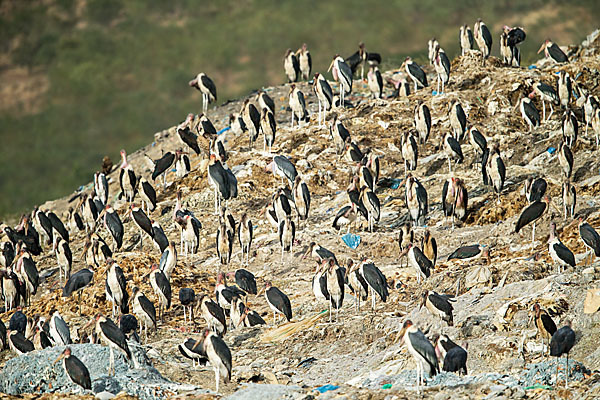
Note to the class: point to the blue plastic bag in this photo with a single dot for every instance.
(351, 240)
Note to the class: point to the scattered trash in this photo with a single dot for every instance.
(383, 124)
(224, 130)
(592, 301)
(531, 67)
(396, 183)
(538, 386)
(551, 150)
(351, 240)
(326, 388)
(387, 386)
(434, 92)
(307, 362)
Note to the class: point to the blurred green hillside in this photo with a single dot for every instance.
(81, 79)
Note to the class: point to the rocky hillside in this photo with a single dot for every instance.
(360, 354)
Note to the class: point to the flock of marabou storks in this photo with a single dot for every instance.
(93, 215)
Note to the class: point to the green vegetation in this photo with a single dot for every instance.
(118, 70)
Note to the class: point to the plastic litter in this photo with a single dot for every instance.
(434, 92)
(387, 386)
(538, 386)
(224, 130)
(531, 67)
(551, 150)
(351, 240)
(326, 388)
(396, 183)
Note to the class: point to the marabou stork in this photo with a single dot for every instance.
(405, 237)
(219, 179)
(319, 253)
(168, 259)
(224, 293)
(28, 273)
(187, 298)
(431, 45)
(470, 252)
(251, 117)
(237, 124)
(375, 279)
(355, 198)
(455, 199)
(127, 179)
(570, 128)
(9, 283)
(287, 235)
(324, 95)
(301, 199)
(182, 164)
(441, 64)
(569, 198)
(415, 73)
(268, 127)
(454, 356)
(466, 39)
(438, 305)
(148, 195)
(416, 200)
(590, 238)
(40, 338)
(565, 159)
(64, 258)
(547, 94)
(26, 234)
(128, 324)
(410, 152)
(590, 107)
(515, 36)
(224, 244)
(161, 166)
(42, 225)
(278, 302)
(190, 233)
(304, 61)
(297, 104)
(552, 51)
(18, 343)
(162, 289)
(345, 217)
(218, 355)
(59, 331)
(505, 50)
(208, 130)
(356, 282)
(89, 212)
(478, 141)
(352, 152)
(75, 369)
(362, 57)
(532, 213)
(421, 264)
(189, 138)
(343, 74)
(458, 121)
(142, 221)
(101, 186)
(207, 87)
(335, 286)
(375, 82)
(18, 321)
(544, 324)
(534, 189)
(429, 246)
(214, 315)
(319, 282)
(58, 228)
(144, 310)
(561, 343)
(283, 167)
(422, 122)
(495, 170)
(113, 225)
(194, 350)
(245, 231)
(251, 318)
(365, 178)
(483, 38)
(453, 150)
(265, 101)
(227, 218)
(116, 288)
(372, 205)
(565, 88)
(161, 242)
(114, 338)
(291, 66)
(245, 280)
(560, 254)
(421, 349)
(75, 222)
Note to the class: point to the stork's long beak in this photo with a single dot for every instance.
(89, 324)
(60, 357)
(530, 320)
(400, 336)
(542, 48)
(196, 344)
(404, 252)
(554, 206)
(330, 66)
(260, 292)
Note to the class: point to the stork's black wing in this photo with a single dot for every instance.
(58, 225)
(447, 210)
(223, 353)
(375, 278)
(456, 360)
(530, 214)
(246, 280)
(487, 37)
(465, 252)
(160, 238)
(77, 281)
(142, 221)
(590, 237)
(32, 272)
(515, 36)
(418, 73)
(150, 193)
(148, 308)
(162, 164)
(164, 286)
(63, 330)
(353, 61)
(210, 85)
(564, 253)
(424, 347)
(78, 372)
(189, 138)
(424, 262)
(422, 198)
(557, 54)
(255, 319)
(455, 146)
(116, 227)
(46, 224)
(280, 301)
(549, 325)
(123, 285)
(112, 331)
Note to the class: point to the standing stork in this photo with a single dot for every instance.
(416, 200)
(142, 221)
(75, 369)
(148, 195)
(422, 122)
(116, 288)
(415, 72)
(515, 36)
(569, 198)
(373, 206)
(219, 180)
(127, 178)
(162, 289)
(42, 225)
(251, 118)
(343, 74)
(161, 242)
(357, 283)
(483, 38)
(268, 127)
(283, 167)
(441, 64)
(544, 324)
(570, 128)
(565, 88)
(161, 167)
(287, 235)
(438, 305)
(339, 134)
(454, 356)
(144, 309)
(478, 141)
(405, 237)
(335, 286)
(410, 152)
(421, 264)
(28, 273)
(375, 82)
(529, 112)
(547, 94)
(168, 259)
(534, 189)
(218, 355)
(187, 298)
(431, 45)
(565, 159)
(208, 89)
(552, 51)
(291, 66)
(559, 253)
(590, 239)
(58, 330)
(64, 258)
(113, 337)
(297, 104)
(245, 237)
(245, 280)
(182, 164)
(532, 213)
(429, 246)
(189, 138)
(101, 186)
(590, 107)
(375, 279)
(453, 150)
(421, 349)
(324, 95)
(301, 199)
(214, 315)
(319, 283)
(278, 302)
(113, 224)
(77, 282)
(190, 233)
(304, 61)
(495, 170)
(466, 39)
(455, 199)
(458, 121)
(224, 244)
(345, 217)
(561, 343)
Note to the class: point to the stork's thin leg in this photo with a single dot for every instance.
(533, 235)
(415, 86)
(544, 106)
(567, 373)
(551, 110)
(111, 362)
(557, 361)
